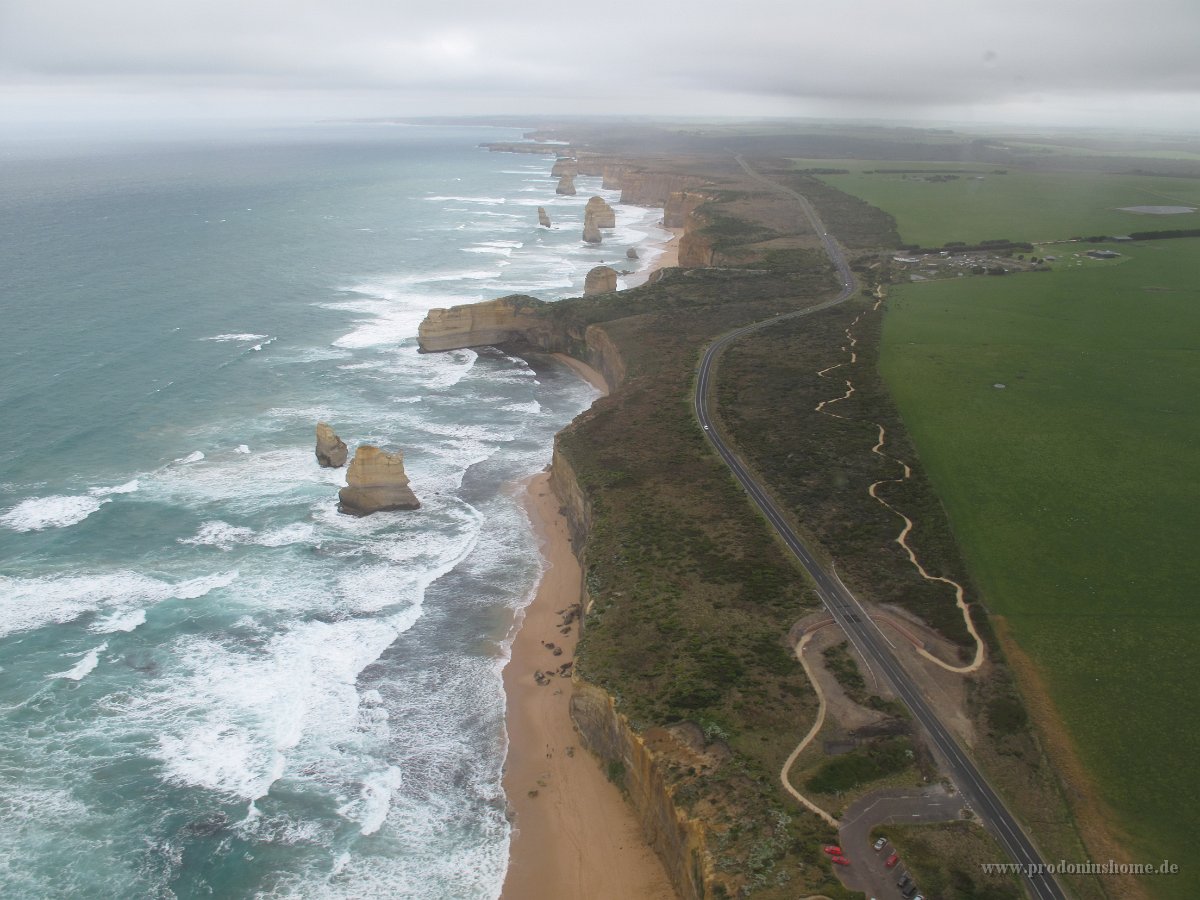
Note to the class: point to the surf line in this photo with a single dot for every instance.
(906, 474)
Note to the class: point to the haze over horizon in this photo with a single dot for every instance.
(1070, 64)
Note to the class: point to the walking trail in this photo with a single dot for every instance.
(902, 538)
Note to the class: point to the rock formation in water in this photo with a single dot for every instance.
(600, 280)
(331, 449)
(564, 165)
(596, 215)
(543, 219)
(603, 214)
(631, 253)
(566, 185)
(376, 482)
(515, 317)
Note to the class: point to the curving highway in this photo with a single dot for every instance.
(846, 609)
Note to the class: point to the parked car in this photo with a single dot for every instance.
(832, 850)
(880, 844)
(841, 860)
(909, 891)
(892, 860)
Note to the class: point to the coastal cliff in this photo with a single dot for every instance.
(519, 321)
(642, 760)
(678, 839)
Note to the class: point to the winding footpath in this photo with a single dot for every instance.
(817, 725)
(866, 636)
(902, 539)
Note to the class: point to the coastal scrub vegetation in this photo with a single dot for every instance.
(691, 598)
(945, 860)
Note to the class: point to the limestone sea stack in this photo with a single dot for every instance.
(600, 280)
(631, 253)
(605, 215)
(331, 449)
(596, 215)
(566, 185)
(564, 165)
(543, 219)
(375, 482)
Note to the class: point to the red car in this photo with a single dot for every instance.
(833, 851)
(841, 860)
(892, 860)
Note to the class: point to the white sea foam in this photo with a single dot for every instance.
(119, 620)
(233, 718)
(81, 669)
(128, 487)
(225, 536)
(246, 483)
(242, 448)
(370, 809)
(193, 457)
(245, 337)
(487, 201)
(27, 603)
(39, 513)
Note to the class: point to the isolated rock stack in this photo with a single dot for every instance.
(564, 165)
(596, 215)
(543, 219)
(566, 186)
(600, 280)
(376, 482)
(331, 449)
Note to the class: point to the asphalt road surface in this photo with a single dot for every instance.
(905, 806)
(845, 607)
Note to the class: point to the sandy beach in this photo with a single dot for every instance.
(668, 258)
(574, 837)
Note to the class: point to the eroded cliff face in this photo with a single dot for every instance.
(680, 205)
(695, 247)
(641, 759)
(678, 839)
(654, 188)
(519, 321)
(482, 324)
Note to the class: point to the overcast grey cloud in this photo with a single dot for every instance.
(1072, 62)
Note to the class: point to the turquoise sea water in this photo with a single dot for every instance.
(211, 683)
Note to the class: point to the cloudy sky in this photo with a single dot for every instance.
(1038, 61)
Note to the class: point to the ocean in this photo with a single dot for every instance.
(211, 682)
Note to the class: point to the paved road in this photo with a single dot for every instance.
(904, 806)
(845, 607)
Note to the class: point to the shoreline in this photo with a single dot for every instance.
(574, 836)
(667, 258)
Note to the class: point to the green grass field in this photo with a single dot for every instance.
(1019, 206)
(1073, 492)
